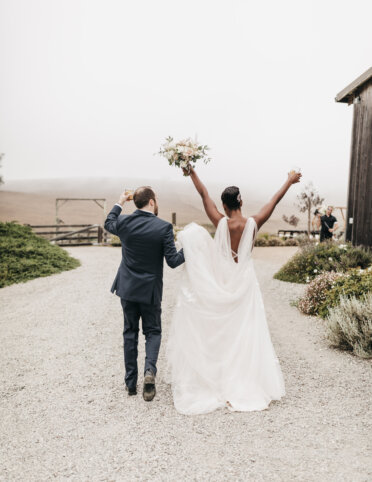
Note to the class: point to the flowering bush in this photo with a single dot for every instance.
(314, 259)
(184, 153)
(350, 325)
(356, 283)
(326, 290)
(316, 293)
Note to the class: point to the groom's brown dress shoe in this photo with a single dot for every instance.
(149, 389)
(131, 391)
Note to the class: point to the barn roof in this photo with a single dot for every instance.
(349, 92)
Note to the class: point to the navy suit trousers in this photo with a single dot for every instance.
(151, 328)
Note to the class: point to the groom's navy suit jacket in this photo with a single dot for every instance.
(146, 240)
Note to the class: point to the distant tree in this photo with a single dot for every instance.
(293, 220)
(1, 177)
(307, 200)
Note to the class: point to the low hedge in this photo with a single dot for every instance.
(314, 259)
(355, 283)
(25, 256)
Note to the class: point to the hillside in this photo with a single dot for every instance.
(33, 202)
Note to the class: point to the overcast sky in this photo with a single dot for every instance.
(91, 88)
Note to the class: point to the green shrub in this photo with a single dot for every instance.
(115, 240)
(275, 241)
(316, 293)
(261, 242)
(304, 240)
(25, 256)
(350, 325)
(270, 240)
(264, 236)
(355, 283)
(291, 242)
(314, 259)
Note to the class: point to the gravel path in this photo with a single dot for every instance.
(65, 415)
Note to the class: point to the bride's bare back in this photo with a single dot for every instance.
(236, 221)
(236, 227)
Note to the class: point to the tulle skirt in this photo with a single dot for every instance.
(219, 350)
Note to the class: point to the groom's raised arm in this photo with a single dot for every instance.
(209, 205)
(173, 257)
(112, 220)
(267, 210)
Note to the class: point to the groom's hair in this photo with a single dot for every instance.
(231, 197)
(142, 196)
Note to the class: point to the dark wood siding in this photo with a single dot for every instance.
(360, 177)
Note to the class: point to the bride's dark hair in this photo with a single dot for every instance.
(231, 197)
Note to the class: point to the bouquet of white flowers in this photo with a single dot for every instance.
(184, 153)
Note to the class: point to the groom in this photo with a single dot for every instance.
(146, 240)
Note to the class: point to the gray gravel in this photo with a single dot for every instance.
(65, 415)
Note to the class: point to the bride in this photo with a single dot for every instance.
(219, 350)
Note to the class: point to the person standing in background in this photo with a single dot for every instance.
(328, 225)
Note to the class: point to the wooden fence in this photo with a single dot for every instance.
(71, 234)
(292, 233)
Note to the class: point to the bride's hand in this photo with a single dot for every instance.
(188, 171)
(294, 177)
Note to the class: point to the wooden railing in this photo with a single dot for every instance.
(292, 233)
(71, 234)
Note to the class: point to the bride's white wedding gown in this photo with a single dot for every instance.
(219, 349)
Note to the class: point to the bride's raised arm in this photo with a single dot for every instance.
(209, 205)
(267, 210)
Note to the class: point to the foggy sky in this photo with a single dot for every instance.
(91, 88)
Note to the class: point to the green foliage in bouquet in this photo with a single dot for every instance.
(25, 256)
(314, 259)
(350, 325)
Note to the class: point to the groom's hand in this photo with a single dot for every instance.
(294, 177)
(123, 198)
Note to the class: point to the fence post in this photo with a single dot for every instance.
(174, 219)
(100, 234)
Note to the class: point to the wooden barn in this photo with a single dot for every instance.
(359, 203)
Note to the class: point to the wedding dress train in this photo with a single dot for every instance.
(219, 349)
